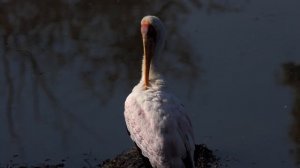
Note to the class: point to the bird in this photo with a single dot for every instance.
(156, 120)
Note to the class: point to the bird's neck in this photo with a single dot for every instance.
(154, 72)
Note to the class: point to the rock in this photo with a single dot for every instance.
(204, 158)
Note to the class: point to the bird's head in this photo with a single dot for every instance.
(153, 34)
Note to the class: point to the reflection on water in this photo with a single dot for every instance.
(292, 79)
(225, 7)
(49, 46)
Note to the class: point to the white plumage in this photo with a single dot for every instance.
(155, 119)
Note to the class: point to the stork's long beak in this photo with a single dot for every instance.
(148, 46)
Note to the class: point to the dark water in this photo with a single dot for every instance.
(67, 66)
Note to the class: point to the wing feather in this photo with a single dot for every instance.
(160, 128)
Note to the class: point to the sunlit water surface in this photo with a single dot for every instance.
(67, 66)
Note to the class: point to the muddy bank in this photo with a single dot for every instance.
(204, 158)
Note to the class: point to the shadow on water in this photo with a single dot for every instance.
(96, 41)
(291, 78)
